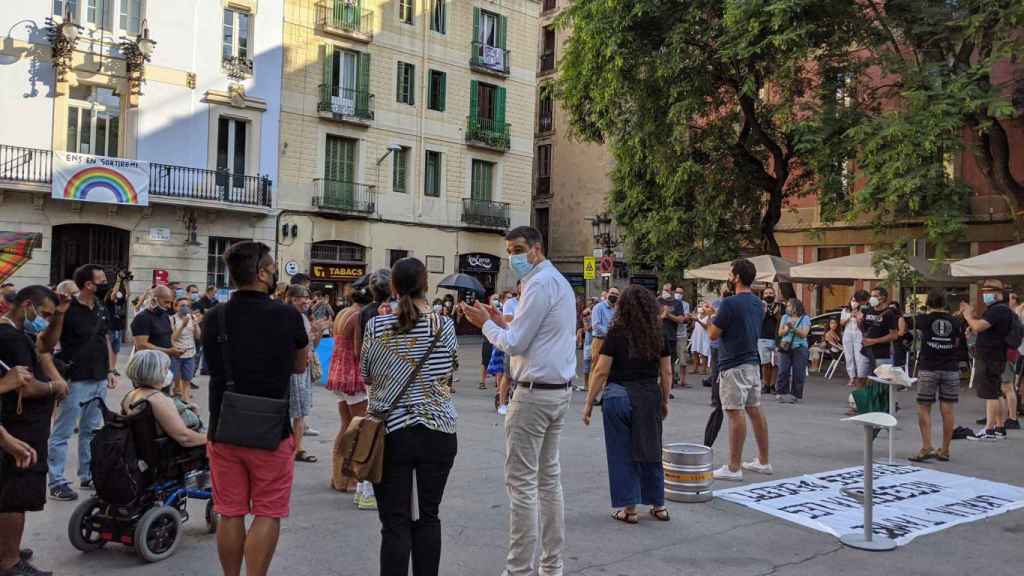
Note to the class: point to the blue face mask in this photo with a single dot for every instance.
(520, 264)
(989, 298)
(36, 326)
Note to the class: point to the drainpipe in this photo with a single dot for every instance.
(424, 89)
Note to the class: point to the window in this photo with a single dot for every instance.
(438, 16)
(346, 82)
(549, 5)
(100, 13)
(395, 256)
(94, 120)
(339, 189)
(97, 13)
(406, 87)
(216, 268)
(547, 53)
(62, 7)
(545, 122)
(405, 9)
(237, 34)
(131, 15)
(489, 29)
(544, 170)
(231, 149)
(432, 174)
(435, 99)
(482, 180)
(542, 223)
(400, 166)
(484, 101)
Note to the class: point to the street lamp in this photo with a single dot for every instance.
(63, 37)
(391, 148)
(605, 236)
(136, 53)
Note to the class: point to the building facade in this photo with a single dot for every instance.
(198, 123)
(406, 130)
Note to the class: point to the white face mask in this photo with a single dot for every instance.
(666, 295)
(873, 302)
(679, 297)
(168, 379)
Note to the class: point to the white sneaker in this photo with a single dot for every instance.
(724, 473)
(503, 410)
(756, 466)
(310, 431)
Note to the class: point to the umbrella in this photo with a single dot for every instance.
(861, 267)
(769, 269)
(1007, 261)
(461, 281)
(15, 251)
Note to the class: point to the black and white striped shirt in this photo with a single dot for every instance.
(388, 360)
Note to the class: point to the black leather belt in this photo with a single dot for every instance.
(543, 386)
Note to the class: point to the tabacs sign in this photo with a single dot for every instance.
(479, 262)
(337, 272)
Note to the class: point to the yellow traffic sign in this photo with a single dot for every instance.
(589, 268)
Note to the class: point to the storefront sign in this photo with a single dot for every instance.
(161, 277)
(338, 272)
(90, 178)
(291, 268)
(479, 262)
(159, 234)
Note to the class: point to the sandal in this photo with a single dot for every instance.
(941, 455)
(627, 517)
(483, 386)
(922, 456)
(302, 456)
(660, 514)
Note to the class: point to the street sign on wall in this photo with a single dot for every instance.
(607, 265)
(589, 268)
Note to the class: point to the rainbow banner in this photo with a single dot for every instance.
(89, 178)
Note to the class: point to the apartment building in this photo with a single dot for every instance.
(139, 134)
(406, 130)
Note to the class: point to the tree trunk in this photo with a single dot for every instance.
(993, 156)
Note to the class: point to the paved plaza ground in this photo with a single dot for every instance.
(326, 535)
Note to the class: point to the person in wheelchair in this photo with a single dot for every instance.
(150, 373)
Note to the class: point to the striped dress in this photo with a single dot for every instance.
(387, 361)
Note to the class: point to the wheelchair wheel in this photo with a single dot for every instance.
(212, 518)
(158, 533)
(81, 532)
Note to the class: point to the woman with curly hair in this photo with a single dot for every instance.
(635, 364)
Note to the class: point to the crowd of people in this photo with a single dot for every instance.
(395, 357)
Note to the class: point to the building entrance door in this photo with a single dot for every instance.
(78, 244)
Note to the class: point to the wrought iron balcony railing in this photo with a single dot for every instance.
(345, 18)
(237, 67)
(35, 166)
(485, 213)
(488, 133)
(344, 196)
(547, 62)
(346, 103)
(490, 58)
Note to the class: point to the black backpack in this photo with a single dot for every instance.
(1015, 335)
(116, 471)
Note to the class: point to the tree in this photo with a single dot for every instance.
(938, 81)
(702, 105)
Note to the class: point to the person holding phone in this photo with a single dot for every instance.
(185, 333)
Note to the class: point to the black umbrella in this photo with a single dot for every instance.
(461, 281)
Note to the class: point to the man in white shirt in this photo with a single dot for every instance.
(541, 340)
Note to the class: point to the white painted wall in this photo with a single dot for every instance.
(26, 105)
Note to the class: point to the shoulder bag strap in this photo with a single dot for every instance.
(419, 364)
(222, 323)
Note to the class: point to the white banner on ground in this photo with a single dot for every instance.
(909, 501)
(90, 178)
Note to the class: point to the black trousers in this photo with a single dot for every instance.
(714, 425)
(431, 454)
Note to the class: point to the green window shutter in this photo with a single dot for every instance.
(499, 107)
(410, 70)
(363, 84)
(441, 104)
(400, 82)
(476, 24)
(327, 55)
(474, 189)
(474, 104)
(502, 31)
(487, 177)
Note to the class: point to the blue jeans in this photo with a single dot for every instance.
(792, 372)
(116, 338)
(71, 414)
(630, 482)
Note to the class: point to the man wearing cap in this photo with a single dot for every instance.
(990, 355)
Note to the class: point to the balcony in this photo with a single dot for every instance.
(346, 105)
(485, 214)
(346, 20)
(489, 59)
(547, 62)
(344, 197)
(237, 67)
(543, 189)
(31, 169)
(486, 133)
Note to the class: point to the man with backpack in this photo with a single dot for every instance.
(25, 414)
(998, 329)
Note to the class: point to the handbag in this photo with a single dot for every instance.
(787, 345)
(245, 420)
(362, 444)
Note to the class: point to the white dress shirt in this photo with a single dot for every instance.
(541, 339)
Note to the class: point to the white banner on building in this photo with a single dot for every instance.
(100, 179)
(909, 501)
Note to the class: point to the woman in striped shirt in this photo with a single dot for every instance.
(420, 422)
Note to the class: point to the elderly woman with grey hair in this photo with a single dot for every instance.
(793, 353)
(150, 372)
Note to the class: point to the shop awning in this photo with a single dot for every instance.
(1007, 261)
(769, 269)
(861, 267)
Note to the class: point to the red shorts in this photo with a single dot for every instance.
(252, 481)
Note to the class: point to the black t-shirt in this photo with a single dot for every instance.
(33, 424)
(83, 341)
(154, 323)
(626, 369)
(992, 342)
(205, 304)
(772, 319)
(940, 340)
(118, 313)
(369, 312)
(669, 328)
(264, 337)
(878, 324)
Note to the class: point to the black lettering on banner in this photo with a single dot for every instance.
(973, 506)
(905, 491)
(899, 526)
(853, 477)
(782, 490)
(822, 508)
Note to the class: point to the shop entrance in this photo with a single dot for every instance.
(333, 265)
(78, 244)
